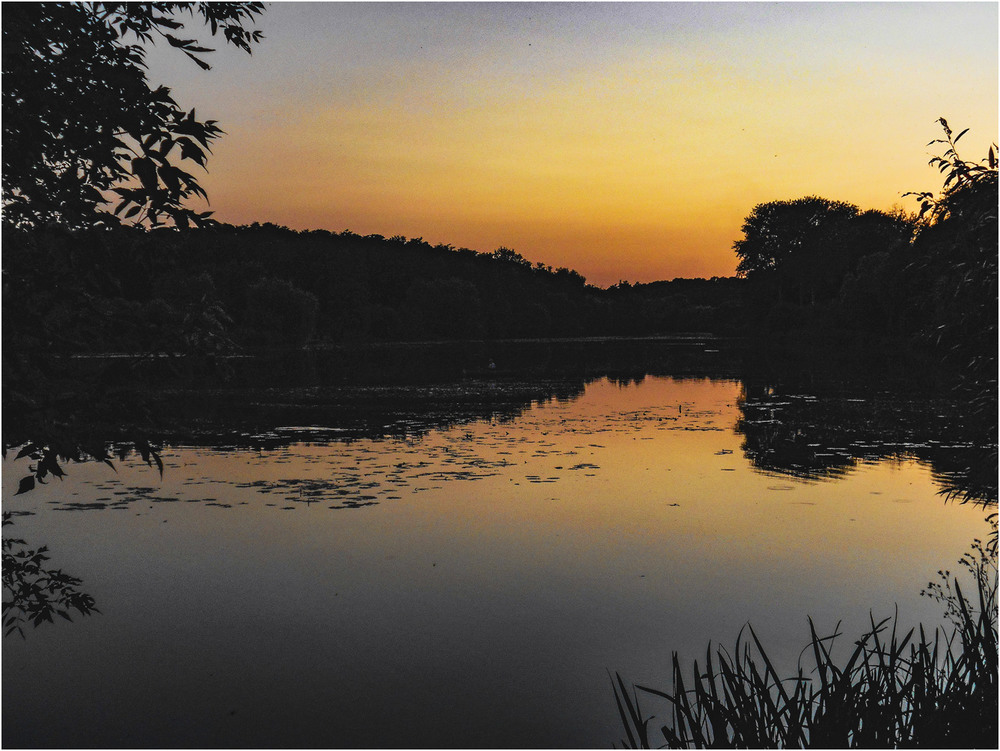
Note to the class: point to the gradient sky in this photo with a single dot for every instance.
(626, 141)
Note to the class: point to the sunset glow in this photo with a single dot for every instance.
(627, 141)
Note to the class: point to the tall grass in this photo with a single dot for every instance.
(895, 690)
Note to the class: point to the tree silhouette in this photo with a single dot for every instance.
(82, 127)
(955, 256)
(780, 230)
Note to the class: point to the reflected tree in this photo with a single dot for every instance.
(775, 441)
(827, 436)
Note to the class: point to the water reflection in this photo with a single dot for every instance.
(807, 425)
(472, 552)
(785, 432)
(465, 555)
(813, 436)
(821, 437)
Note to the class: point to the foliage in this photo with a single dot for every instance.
(779, 231)
(894, 690)
(980, 562)
(801, 253)
(36, 593)
(82, 126)
(816, 268)
(107, 290)
(506, 255)
(965, 189)
(49, 456)
(188, 291)
(955, 255)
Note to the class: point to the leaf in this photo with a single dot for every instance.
(161, 94)
(165, 21)
(26, 484)
(182, 43)
(201, 63)
(168, 144)
(190, 150)
(169, 175)
(50, 465)
(145, 170)
(26, 450)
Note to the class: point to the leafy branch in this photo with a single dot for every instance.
(82, 126)
(37, 593)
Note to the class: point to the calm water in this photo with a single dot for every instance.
(469, 584)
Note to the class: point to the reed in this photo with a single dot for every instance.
(895, 690)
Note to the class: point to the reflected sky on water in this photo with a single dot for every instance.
(468, 586)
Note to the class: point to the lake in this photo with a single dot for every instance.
(461, 562)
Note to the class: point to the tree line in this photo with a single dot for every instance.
(809, 269)
(102, 253)
(262, 286)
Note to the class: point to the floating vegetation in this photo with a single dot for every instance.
(790, 436)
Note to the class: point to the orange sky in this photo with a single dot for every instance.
(627, 141)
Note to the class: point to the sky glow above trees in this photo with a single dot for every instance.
(627, 141)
